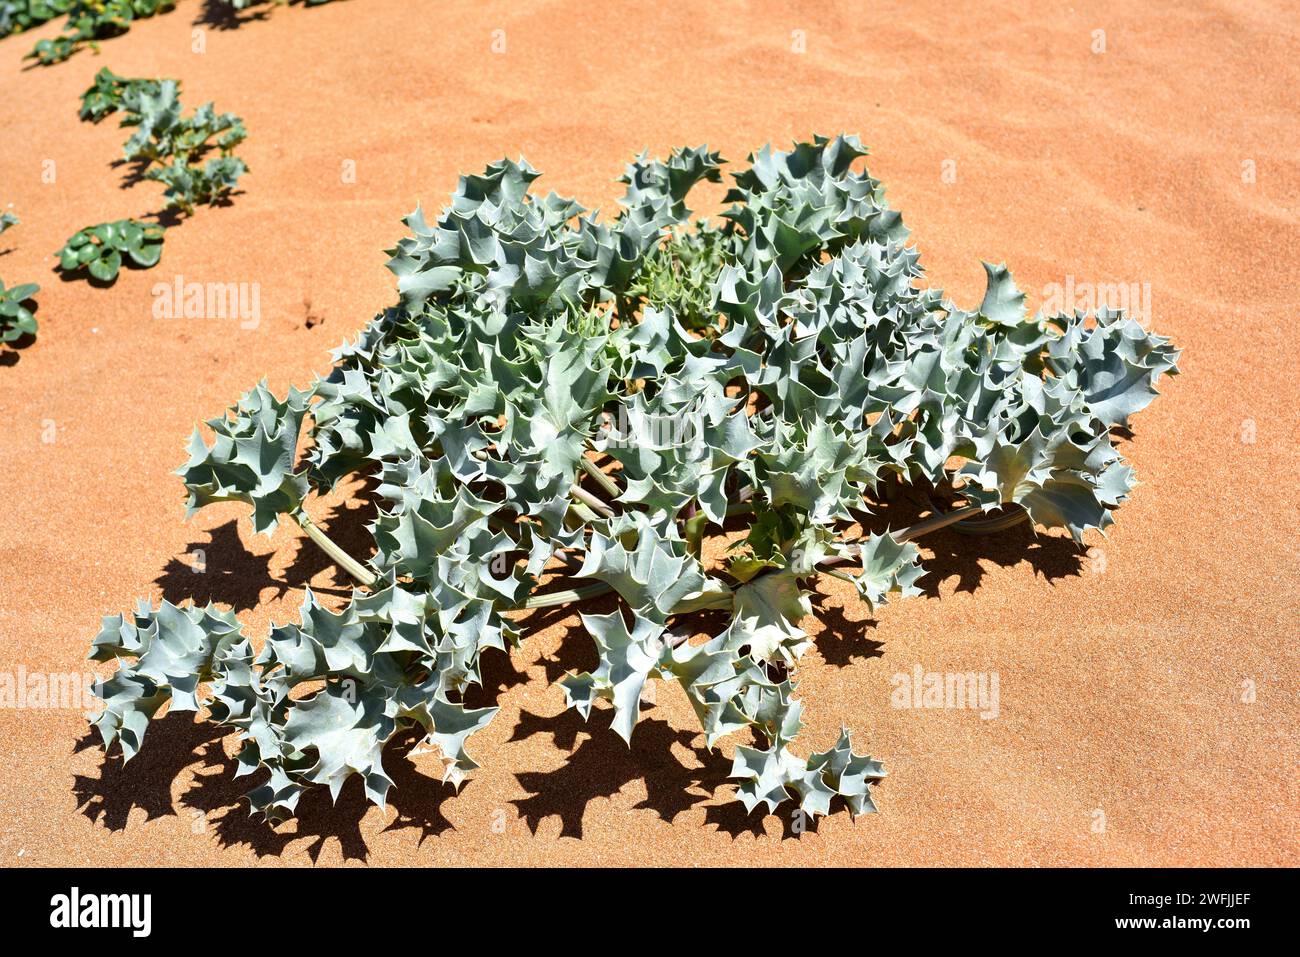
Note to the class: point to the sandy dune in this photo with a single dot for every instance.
(1171, 160)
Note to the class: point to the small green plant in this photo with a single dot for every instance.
(101, 250)
(90, 21)
(7, 220)
(19, 15)
(557, 409)
(176, 146)
(173, 148)
(16, 319)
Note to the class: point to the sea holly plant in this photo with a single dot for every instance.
(101, 250)
(561, 407)
(175, 147)
(16, 319)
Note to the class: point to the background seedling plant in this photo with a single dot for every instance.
(173, 149)
(560, 407)
(88, 22)
(19, 15)
(102, 249)
(16, 319)
(16, 304)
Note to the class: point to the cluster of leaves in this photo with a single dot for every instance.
(172, 147)
(16, 319)
(778, 370)
(88, 22)
(19, 15)
(109, 93)
(101, 250)
(16, 304)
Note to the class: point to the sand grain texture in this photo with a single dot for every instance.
(1121, 671)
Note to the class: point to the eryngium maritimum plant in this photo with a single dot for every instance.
(512, 408)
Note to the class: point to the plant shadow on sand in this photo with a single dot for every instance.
(672, 765)
(222, 15)
(599, 764)
(224, 570)
(214, 801)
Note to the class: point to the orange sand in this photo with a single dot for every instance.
(1121, 674)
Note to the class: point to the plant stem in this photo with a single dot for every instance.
(595, 504)
(840, 575)
(933, 524)
(553, 598)
(332, 549)
(605, 482)
(584, 514)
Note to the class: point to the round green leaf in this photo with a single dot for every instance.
(106, 269)
(146, 256)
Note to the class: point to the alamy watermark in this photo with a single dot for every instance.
(1132, 298)
(76, 909)
(971, 690)
(682, 432)
(181, 299)
(41, 690)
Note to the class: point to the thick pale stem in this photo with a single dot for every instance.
(332, 549)
(583, 513)
(595, 504)
(551, 599)
(603, 480)
(932, 524)
(840, 575)
(937, 522)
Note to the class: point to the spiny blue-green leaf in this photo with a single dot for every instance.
(252, 458)
(887, 566)
(626, 661)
